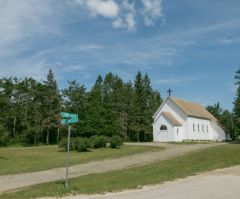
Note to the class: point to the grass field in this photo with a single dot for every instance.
(19, 160)
(187, 165)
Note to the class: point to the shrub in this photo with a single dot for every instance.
(82, 144)
(63, 144)
(98, 141)
(116, 141)
(3, 139)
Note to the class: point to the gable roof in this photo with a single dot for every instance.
(171, 119)
(189, 108)
(192, 109)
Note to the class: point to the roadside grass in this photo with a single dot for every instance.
(28, 159)
(156, 173)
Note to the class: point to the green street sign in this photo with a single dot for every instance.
(64, 121)
(68, 118)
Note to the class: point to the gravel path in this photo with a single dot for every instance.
(17, 181)
(218, 184)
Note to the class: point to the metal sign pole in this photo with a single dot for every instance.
(68, 149)
(68, 118)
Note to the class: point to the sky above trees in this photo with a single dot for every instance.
(190, 46)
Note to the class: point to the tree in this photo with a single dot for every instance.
(225, 118)
(52, 104)
(138, 111)
(215, 110)
(94, 122)
(75, 100)
(110, 104)
(30, 109)
(236, 103)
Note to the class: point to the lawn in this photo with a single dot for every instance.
(27, 159)
(159, 172)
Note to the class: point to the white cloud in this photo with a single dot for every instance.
(126, 18)
(123, 13)
(152, 11)
(84, 47)
(22, 20)
(105, 8)
(118, 23)
(130, 17)
(130, 21)
(176, 80)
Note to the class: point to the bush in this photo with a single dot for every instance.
(82, 144)
(63, 144)
(116, 141)
(98, 141)
(3, 136)
(3, 139)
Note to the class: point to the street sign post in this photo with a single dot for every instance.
(68, 118)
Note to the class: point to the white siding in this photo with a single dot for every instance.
(178, 133)
(201, 134)
(208, 130)
(217, 133)
(163, 136)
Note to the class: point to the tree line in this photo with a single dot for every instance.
(30, 109)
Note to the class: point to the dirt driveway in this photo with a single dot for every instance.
(218, 184)
(16, 181)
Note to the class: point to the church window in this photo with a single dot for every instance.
(163, 128)
(202, 128)
(207, 128)
(193, 127)
(198, 128)
(177, 130)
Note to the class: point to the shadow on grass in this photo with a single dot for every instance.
(234, 142)
(4, 158)
(63, 150)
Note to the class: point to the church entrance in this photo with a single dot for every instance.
(163, 134)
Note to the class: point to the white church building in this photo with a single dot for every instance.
(178, 120)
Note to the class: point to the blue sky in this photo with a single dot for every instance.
(190, 46)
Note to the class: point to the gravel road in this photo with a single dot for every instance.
(17, 181)
(218, 184)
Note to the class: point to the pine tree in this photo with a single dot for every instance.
(236, 108)
(138, 111)
(76, 102)
(94, 123)
(52, 104)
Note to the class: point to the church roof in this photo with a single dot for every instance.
(193, 109)
(171, 119)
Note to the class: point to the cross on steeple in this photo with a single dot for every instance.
(169, 91)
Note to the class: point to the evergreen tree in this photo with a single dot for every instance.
(94, 122)
(75, 100)
(138, 111)
(215, 110)
(30, 109)
(109, 105)
(225, 118)
(236, 108)
(52, 104)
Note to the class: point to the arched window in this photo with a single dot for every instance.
(207, 128)
(163, 128)
(193, 127)
(203, 128)
(198, 128)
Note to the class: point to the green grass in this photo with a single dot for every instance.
(187, 165)
(27, 159)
